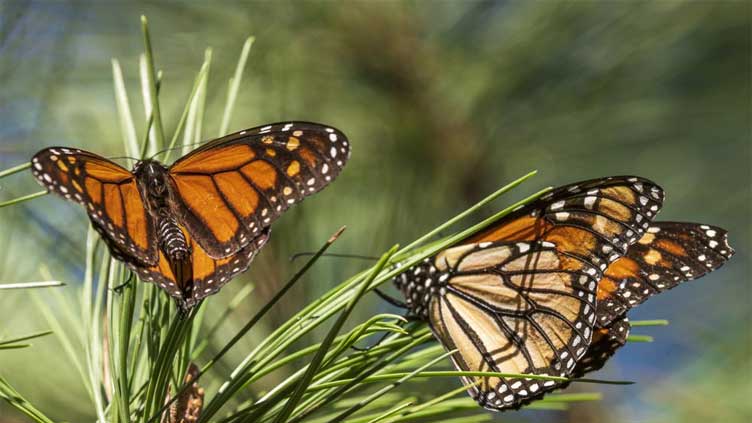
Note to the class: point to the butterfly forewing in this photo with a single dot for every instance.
(596, 219)
(231, 189)
(511, 308)
(110, 195)
(668, 254)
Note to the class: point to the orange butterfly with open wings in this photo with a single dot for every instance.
(192, 226)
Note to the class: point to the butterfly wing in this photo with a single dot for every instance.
(229, 190)
(110, 195)
(512, 308)
(605, 342)
(203, 275)
(596, 219)
(668, 254)
(209, 274)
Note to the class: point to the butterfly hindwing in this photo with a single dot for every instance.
(209, 275)
(229, 190)
(205, 275)
(605, 342)
(668, 254)
(110, 195)
(511, 308)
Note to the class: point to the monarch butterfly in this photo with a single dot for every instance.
(520, 297)
(192, 226)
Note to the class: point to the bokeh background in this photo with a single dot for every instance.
(444, 102)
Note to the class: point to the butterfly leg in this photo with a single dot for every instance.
(118, 289)
(376, 344)
(391, 300)
(409, 318)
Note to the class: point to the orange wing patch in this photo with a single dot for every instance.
(238, 191)
(110, 195)
(135, 213)
(672, 247)
(523, 228)
(113, 204)
(292, 143)
(221, 159)
(308, 156)
(667, 255)
(106, 171)
(93, 189)
(261, 173)
(294, 168)
(203, 199)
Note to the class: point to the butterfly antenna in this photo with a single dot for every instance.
(124, 157)
(352, 256)
(193, 144)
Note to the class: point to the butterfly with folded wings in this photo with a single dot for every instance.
(544, 290)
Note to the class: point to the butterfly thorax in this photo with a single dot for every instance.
(153, 180)
(419, 285)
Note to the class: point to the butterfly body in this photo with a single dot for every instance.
(156, 189)
(191, 226)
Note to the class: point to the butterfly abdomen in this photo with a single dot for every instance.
(172, 240)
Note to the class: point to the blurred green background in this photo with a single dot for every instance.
(444, 102)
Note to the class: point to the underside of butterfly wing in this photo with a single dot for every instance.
(536, 318)
(521, 308)
(596, 219)
(603, 346)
